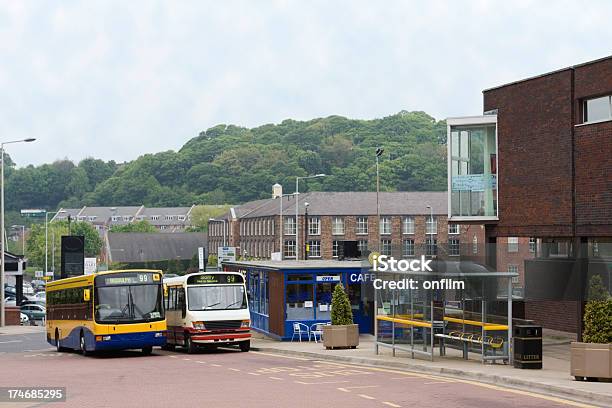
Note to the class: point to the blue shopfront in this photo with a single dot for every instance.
(284, 292)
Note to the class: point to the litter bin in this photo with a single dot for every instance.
(528, 346)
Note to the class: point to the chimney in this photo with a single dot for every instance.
(277, 191)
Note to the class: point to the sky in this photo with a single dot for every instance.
(118, 79)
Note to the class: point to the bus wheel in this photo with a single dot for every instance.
(245, 346)
(82, 345)
(58, 346)
(146, 351)
(189, 346)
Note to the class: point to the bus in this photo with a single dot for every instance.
(114, 310)
(207, 309)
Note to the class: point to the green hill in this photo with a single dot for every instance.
(227, 163)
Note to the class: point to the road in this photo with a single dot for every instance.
(229, 378)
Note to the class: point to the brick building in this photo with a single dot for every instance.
(405, 228)
(538, 164)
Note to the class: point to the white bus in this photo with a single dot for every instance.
(207, 309)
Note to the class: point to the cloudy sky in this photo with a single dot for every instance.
(115, 80)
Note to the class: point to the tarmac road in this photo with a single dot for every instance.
(229, 378)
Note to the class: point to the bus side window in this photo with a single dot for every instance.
(181, 301)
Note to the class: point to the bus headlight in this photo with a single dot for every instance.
(245, 323)
(159, 334)
(199, 325)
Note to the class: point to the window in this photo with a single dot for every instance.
(289, 226)
(155, 217)
(337, 226)
(408, 225)
(362, 226)
(314, 226)
(314, 248)
(431, 226)
(289, 249)
(514, 269)
(513, 244)
(475, 245)
(532, 245)
(126, 218)
(362, 246)
(408, 248)
(181, 218)
(453, 247)
(431, 247)
(597, 109)
(115, 218)
(453, 229)
(385, 225)
(300, 301)
(473, 167)
(91, 218)
(335, 246)
(385, 247)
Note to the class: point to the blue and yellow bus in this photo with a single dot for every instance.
(112, 310)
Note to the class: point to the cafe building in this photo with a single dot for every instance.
(284, 292)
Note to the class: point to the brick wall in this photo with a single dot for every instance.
(534, 155)
(557, 315)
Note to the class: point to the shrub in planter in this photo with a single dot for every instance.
(592, 358)
(342, 332)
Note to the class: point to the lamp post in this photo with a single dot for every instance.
(379, 152)
(47, 236)
(432, 232)
(3, 242)
(306, 248)
(297, 223)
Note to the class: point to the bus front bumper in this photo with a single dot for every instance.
(130, 340)
(220, 338)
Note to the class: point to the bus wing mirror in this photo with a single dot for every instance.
(86, 295)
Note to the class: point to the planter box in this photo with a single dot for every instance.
(591, 360)
(341, 336)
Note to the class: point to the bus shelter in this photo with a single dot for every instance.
(460, 305)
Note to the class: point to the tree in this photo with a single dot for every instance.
(598, 313)
(36, 241)
(138, 226)
(341, 313)
(202, 213)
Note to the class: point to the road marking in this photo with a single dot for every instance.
(234, 369)
(438, 382)
(280, 355)
(366, 396)
(391, 404)
(11, 341)
(275, 378)
(201, 362)
(320, 382)
(187, 359)
(480, 384)
(254, 374)
(215, 365)
(342, 389)
(173, 356)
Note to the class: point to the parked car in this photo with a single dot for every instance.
(34, 311)
(33, 301)
(25, 320)
(38, 284)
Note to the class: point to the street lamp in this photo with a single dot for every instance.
(432, 231)
(297, 223)
(379, 152)
(2, 242)
(47, 237)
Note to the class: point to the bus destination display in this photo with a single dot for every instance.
(214, 279)
(129, 279)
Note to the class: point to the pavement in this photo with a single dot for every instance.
(553, 379)
(229, 378)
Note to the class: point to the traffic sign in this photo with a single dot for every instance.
(38, 274)
(33, 212)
